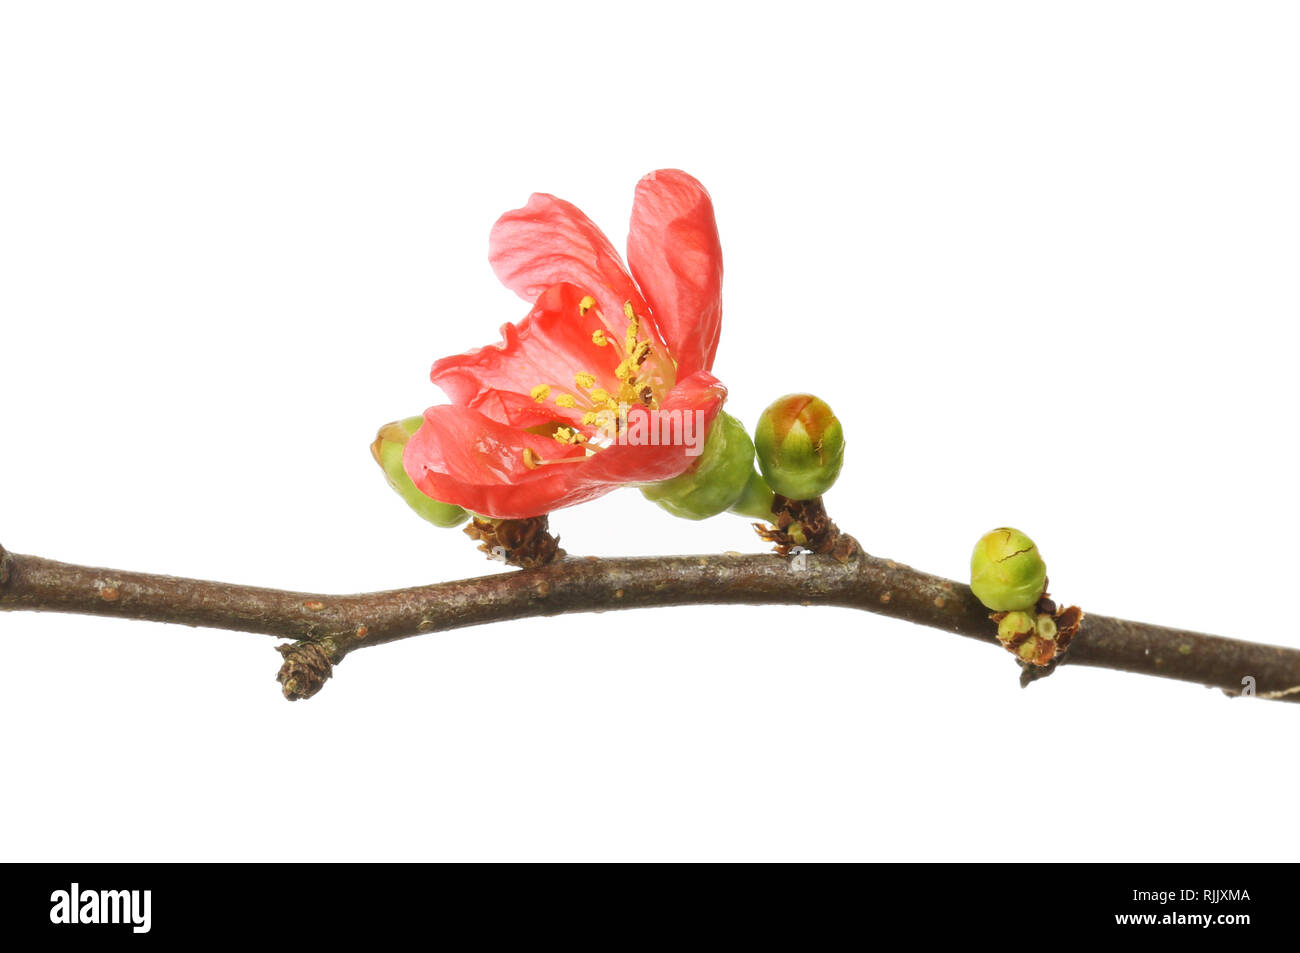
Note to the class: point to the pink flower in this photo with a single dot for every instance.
(534, 422)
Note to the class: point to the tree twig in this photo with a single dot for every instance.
(337, 625)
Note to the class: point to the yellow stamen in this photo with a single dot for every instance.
(623, 371)
(584, 380)
(540, 392)
(530, 459)
(600, 395)
(586, 304)
(628, 312)
(566, 400)
(598, 338)
(589, 419)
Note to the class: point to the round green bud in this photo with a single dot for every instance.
(800, 446)
(1015, 623)
(387, 451)
(1006, 572)
(1046, 627)
(1029, 648)
(716, 480)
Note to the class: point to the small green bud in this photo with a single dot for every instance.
(716, 480)
(800, 446)
(1029, 649)
(1006, 572)
(1046, 627)
(387, 451)
(756, 500)
(1015, 623)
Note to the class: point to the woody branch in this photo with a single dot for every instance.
(330, 627)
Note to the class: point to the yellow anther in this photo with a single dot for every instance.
(600, 395)
(586, 304)
(639, 355)
(589, 419)
(623, 371)
(530, 459)
(566, 400)
(563, 435)
(598, 338)
(628, 312)
(584, 380)
(540, 392)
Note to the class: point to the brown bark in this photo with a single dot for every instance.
(341, 624)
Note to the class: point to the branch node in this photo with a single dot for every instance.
(525, 543)
(1030, 672)
(306, 668)
(804, 523)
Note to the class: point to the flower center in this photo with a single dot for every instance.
(643, 374)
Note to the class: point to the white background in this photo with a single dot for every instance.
(1041, 258)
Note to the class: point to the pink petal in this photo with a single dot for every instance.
(549, 242)
(548, 347)
(460, 456)
(676, 257)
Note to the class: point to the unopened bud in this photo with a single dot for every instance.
(1030, 649)
(756, 500)
(800, 446)
(1006, 572)
(717, 478)
(387, 451)
(1015, 623)
(1046, 627)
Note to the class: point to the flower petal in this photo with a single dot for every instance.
(676, 257)
(460, 456)
(550, 241)
(548, 347)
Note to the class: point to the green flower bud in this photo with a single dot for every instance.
(800, 446)
(756, 500)
(387, 451)
(1046, 627)
(1015, 623)
(1029, 649)
(718, 478)
(1006, 572)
